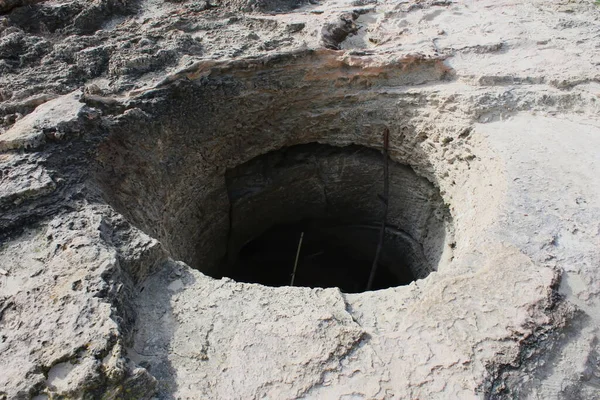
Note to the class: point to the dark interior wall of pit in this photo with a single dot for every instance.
(317, 181)
(163, 163)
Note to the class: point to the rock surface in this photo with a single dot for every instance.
(120, 119)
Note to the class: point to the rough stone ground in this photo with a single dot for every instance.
(495, 102)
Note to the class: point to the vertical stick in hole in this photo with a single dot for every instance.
(297, 256)
(384, 200)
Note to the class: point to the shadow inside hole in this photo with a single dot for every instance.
(332, 255)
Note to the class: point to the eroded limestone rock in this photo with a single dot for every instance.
(115, 198)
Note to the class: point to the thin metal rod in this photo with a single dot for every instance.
(297, 257)
(384, 198)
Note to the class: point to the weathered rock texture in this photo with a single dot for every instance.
(121, 120)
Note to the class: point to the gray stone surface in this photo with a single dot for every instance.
(119, 120)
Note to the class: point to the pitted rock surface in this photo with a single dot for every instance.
(119, 121)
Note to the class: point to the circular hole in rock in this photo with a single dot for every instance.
(331, 197)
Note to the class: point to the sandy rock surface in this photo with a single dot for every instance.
(119, 120)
